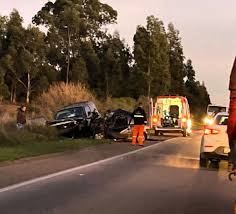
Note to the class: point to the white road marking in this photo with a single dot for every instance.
(43, 178)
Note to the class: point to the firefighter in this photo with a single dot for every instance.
(140, 119)
(232, 117)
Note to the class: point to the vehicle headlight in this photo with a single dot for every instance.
(208, 121)
(211, 121)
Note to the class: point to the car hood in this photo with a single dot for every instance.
(55, 123)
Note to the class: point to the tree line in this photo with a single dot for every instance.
(75, 46)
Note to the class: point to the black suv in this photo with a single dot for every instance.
(78, 120)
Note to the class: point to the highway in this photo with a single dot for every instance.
(162, 179)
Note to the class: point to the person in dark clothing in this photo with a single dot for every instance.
(21, 117)
(231, 130)
(140, 119)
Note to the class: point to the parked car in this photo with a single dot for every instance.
(78, 120)
(214, 143)
(118, 125)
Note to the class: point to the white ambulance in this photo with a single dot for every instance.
(170, 114)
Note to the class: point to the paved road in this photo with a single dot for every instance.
(165, 179)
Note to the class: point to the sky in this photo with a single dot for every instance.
(207, 29)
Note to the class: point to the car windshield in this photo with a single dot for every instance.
(70, 113)
(222, 119)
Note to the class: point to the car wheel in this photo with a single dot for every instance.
(203, 161)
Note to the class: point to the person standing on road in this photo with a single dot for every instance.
(140, 119)
(21, 117)
(231, 130)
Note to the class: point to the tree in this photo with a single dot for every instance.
(4, 92)
(3, 31)
(23, 59)
(196, 92)
(115, 58)
(151, 58)
(190, 72)
(32, 60)
(11, 44)
(70, 23)
(176, 58)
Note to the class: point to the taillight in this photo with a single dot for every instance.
(209, 131)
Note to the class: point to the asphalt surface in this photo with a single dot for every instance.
(164, 179)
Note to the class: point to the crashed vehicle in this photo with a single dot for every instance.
(118, 125)
(78, 120)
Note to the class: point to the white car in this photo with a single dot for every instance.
(214, 144)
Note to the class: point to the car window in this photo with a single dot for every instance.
(87, 110)
(221, 120)
(92, 107)
(70, 113)
(216, 109)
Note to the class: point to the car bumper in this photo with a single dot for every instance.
(218, 153)
(171, 130)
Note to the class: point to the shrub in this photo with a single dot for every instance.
(7, 113)
(60, 95)
(10, 136)
(125, 103)
(145, 101)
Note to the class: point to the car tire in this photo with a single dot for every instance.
(203, 161)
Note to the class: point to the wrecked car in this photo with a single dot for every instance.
(118, 125)
(78, 120)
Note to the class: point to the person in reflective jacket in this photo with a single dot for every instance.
(231, 130)
(140, 119)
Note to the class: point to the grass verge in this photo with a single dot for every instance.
(10, 153)
(37, 140)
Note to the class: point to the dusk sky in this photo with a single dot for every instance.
(207, 28)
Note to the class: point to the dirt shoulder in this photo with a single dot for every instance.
(30, 168)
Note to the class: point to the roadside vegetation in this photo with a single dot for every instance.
(34, 148)
(37, 140)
